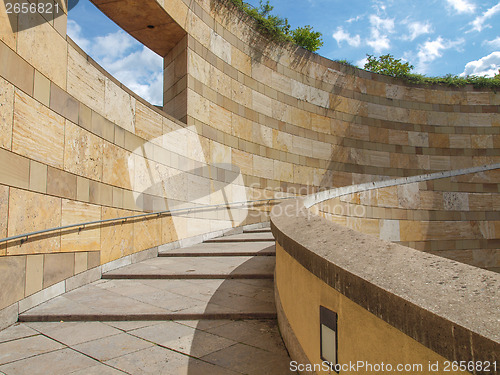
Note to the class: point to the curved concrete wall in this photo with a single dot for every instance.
(247, 119)
(395, 305)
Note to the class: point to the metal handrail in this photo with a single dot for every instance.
(24, 237)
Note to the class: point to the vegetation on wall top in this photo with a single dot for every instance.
(388, 65)
(279, 28)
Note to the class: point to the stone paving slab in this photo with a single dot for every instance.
(223, 249)
(167, 322)
(159, 300)
(197, 268)
(218, 347)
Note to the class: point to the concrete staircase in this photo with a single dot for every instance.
(219, 292)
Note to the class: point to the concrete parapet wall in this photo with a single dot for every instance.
(394, 305)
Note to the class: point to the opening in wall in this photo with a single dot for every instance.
(131, 62)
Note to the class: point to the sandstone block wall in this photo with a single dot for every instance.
(455, 217)
(246, 119)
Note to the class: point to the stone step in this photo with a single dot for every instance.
(223, 249)
(201, 267)
(140, 300)
(244, 237)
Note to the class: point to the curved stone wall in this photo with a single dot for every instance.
(247, 118)
(455, 217)
(395, 306)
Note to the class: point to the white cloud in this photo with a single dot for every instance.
(480, 22)
(113, 45)
(486, 66)
(361, 63)
(416, 29)
(341, 36)
(74, 31)
(495, 43)
(462, 6)
(382, 24)
(380, 27)
(137, 67)
(433, 49)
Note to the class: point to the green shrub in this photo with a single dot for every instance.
(279, 28)
(388, 65)
(307, 38)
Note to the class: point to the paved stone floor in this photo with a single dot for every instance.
(201, 310)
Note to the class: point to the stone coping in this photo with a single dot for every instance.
(449, 307)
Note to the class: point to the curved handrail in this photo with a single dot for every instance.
(25, 236)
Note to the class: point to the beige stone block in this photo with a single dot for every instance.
(119, 106)
(303, 175)
(481, 141)
(302, 146)
(41, 90)
(220, 153)
(263, 167)
(460, 141)
(4, 212)
(38, 177)
(431, 200)
(409, 195)
(220, 47)
(85, 82)
(38, 132)
(57, 267)
(241, 61)
(104, 128)
(147, 234)
(117, 239)
(83, 152)
(76, 239)
(168, 231)
(93, 259)
(34, 274)
(61, 24)
(241, 94)
(262, 103)
(6, 113)
(15, 69)
(439, 140)
(82, 189)
(413, 230)
(29, 212)
(12, 279)
(368, 226)
(118, 166)
(117, 197)
(43, 47)
(148, 124)
(81, 261)
(283, 171)
(418, 139)
(320, 123)
(61, 183)
(220, 118)
(14, 169)
(242, 160)
(8, 27)
(388, 197)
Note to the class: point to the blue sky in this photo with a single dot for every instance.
(437, 36)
